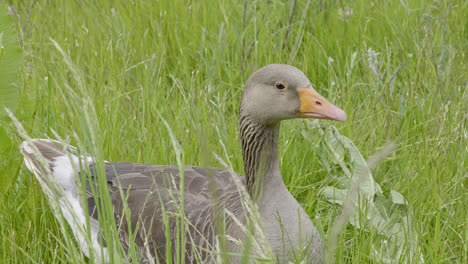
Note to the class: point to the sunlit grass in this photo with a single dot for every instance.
(397, 68)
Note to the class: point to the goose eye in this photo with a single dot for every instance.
(280, 86)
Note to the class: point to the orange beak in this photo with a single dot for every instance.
(313, 105)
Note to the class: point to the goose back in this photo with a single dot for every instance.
(152, 189)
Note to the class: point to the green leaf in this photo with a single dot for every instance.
(372, 211)
(11, 61)
(397, 198)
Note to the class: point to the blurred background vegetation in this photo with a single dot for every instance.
(397, 68)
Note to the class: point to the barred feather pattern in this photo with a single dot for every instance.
(153, 189)
(149, 190)
(259, 146)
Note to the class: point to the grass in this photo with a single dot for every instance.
(398, 68)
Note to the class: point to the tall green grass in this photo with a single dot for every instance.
(398, 68)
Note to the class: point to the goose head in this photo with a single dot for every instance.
(278, 92)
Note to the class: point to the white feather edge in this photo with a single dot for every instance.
(65, 168)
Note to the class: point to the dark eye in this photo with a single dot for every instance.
(280, 86)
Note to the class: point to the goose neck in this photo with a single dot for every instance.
(260, 154)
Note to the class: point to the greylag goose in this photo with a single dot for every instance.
(273, 93)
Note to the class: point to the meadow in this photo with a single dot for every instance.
(103, 75)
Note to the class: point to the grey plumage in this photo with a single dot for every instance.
(208, 192)
(149, 187)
